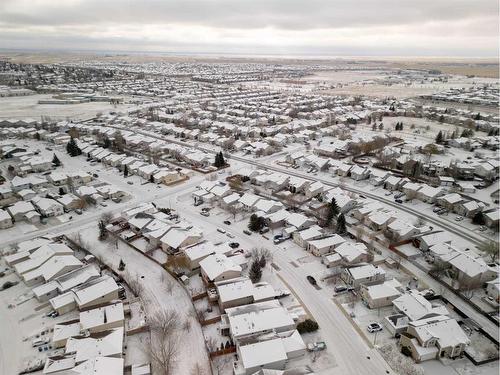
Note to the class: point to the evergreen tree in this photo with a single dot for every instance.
(374, 126)
(72, 148)
(61, 191)
(439, 137)
(152, 179)
(125, 171)
(255, 273)
(333, 211)
(341, 226)
(107, 143)
(121, 266)
(102, 231)
(56, 161)
(401, 125)
(381, 126)
(256, 223)
(478, 218)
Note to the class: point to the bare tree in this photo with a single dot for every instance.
(106, 217)
(164, 341)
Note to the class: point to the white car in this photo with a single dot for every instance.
(220, 230)
(374, 327)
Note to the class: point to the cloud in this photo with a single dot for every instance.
(363, 27)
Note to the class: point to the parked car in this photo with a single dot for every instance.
(388, 193)
(340, 289)
(227, 222)
(264, 230)
(374, 327)
(234, 245)
(78, 211)
(316, 346)
(483, 228)
(459, 218)
(247, 232)
(39, 342)
(398, 201)
(312, 280)
(230, 235)
(220, 230)
(205, 213)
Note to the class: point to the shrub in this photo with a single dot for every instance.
(307, 325)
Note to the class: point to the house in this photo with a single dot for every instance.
(102, 318)
(367, 274)
(380, 295)
(393, 183)
(95, 292)
(415, 306)
(5, 219)
(109, 344)
(450, 201)
(299, 221)
(471, 271)
(352, 253)
(20, 211)
(492, 219)
(177, 238)
(378, 176)
(359, 173)
(428, 240)
(248, 201)
(434, 337)
(63, 331)
(218, 267)
(380, 220)
(303, 237)
(38, 257)
(241, 291)
(249, 321)
(428, 193)
(325, 245)
(69, 201)
(469, 209)
(26, 194)
(400, 230)
(48, 207)
(270, 354)
(55, 266)
(66, 282)
(314, 189)
(493, 289)
(199, 251)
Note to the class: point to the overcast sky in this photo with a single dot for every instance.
(467, 28)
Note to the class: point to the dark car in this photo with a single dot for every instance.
(398, 200)
(234, 245)
(340, 289)
(227, 222)
(312, 280)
